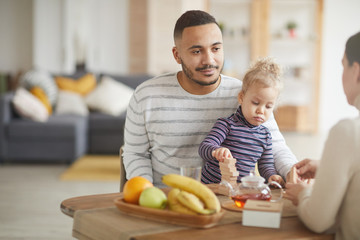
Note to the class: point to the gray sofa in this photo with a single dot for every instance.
(64, 137)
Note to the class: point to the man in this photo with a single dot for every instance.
(169, 115)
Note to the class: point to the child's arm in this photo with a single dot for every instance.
(213, 140)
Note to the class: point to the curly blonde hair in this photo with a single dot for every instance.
(265, 71)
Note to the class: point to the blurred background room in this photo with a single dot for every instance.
(126, 39)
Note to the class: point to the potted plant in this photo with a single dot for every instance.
(291, 26)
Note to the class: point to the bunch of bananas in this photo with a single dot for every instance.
(190, 196)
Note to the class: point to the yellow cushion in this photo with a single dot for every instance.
(83, 85)
(41, 95)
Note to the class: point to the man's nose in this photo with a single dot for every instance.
(208, 58)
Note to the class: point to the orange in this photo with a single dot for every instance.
(133, 188)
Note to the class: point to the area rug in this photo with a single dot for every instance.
(93, 168)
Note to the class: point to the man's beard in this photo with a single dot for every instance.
(190, 74)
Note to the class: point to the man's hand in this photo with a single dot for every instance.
(278, 179)
(221, 153)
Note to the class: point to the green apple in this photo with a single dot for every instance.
(153, 197)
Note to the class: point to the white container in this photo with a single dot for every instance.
(259, 213)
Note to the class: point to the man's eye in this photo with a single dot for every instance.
(216, 49)
(196, 51)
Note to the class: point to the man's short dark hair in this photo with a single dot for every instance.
(352, 49)
(190, 19)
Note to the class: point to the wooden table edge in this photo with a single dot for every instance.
(71, 205)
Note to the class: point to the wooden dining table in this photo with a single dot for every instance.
(96, 217)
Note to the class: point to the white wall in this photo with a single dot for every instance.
(48, 30)
(107, 49)
(91, 31)
(16, 35)
(163, 15)
(341, 20)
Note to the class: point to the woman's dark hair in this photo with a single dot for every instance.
(352, 49)
(190, 19)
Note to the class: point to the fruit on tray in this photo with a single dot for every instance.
(193, 202)
(133, 188)
(196, 188)
(153, 197)
(175, 205)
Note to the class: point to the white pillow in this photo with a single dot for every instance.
(109, 97)
(71, 102)
(29, 106)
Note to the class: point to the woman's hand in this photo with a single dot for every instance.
(293, 190)
(221, 153)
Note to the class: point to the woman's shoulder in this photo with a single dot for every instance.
(347, 126)
(346, 131)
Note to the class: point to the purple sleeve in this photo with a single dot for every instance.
(266, 163)
(214, 139)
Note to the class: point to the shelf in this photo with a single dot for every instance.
(290, 42)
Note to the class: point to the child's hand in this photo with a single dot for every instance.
(221, 153)
(278, 179)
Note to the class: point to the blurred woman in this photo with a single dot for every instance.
(332, 202)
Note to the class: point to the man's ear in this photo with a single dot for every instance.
(176, 55)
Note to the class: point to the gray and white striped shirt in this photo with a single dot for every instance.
(165, 126)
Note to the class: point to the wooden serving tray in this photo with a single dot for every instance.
(168, 216)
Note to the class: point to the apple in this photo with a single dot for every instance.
(153, 197)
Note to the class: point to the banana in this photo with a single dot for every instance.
(193, 202)
(175, 205)
(195, 187)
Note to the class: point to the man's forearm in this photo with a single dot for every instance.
(283, 157)
(137, 164)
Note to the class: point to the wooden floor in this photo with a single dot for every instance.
(30, 195)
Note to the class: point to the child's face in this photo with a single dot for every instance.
(258, 103)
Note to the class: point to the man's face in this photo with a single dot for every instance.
(200, 53)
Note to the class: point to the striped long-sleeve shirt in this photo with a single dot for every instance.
(248, 144)
(165, 126)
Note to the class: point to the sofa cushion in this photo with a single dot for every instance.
(103, 122)
(29, 106)
(110, 97)
(71, 103)
(84, 85)
(43, 80)
(57, 127)
(106, 133)
(63, 138)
